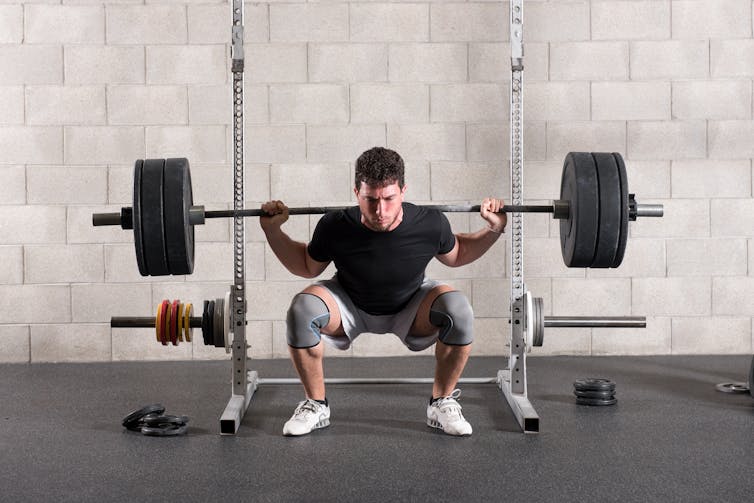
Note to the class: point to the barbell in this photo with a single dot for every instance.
(594, 210)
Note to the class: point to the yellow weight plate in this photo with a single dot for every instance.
(180, 322)
(158, 321)
(166, 324)
(187, 312)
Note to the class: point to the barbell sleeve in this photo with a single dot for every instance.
(596, 321)
(146, 322)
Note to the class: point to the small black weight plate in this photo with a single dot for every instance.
(594, 384)
(168, 431)
(594, 394)
(609, 230)
(206, 324)
(162, 420)
(578, 186)
(136, 220)
(733, 387)
(218, 332)
(539, 321)
(153, 217)
(179, 233)
(596, 401)
(211, 324)
(620, 252)
(134, 417)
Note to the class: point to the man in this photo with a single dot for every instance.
(381, 249)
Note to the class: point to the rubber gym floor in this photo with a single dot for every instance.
(670, 437)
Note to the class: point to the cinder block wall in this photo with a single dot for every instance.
(87, 87)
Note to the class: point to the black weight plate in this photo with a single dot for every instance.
(624, 210)
(168, 431)
(594, 394)
(539, 321)
(596, 401)
(206, 324)
(594, 384)
(162, 420)
(134, 417)
(136, 220)
(609, 230)
(211, 324)
(179, 233)
(153, 217)
(578, 186)
(733, 387)
(218, 331)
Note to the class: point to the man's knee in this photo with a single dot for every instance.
(307, 316)
(452, 313)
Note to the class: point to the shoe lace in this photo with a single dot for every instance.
(306, 408)
(448, 405)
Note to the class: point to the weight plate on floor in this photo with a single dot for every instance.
(136, 220)
(594, 384)
(179, 233)
(539, 321)
(609, 230)
(623, 239)
(594, 394)
(153, 217)
(217, 332)
(170, 431)
(134, 417)
(579, 186)
(732, 387)
(174, 322)
(206, 323)
(188, 331)
(596, 401)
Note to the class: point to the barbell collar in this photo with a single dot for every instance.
(596, 321)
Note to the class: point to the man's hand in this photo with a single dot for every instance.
(495, 221)
(278, 215)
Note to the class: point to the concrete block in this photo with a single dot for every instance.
(276, 63)
(543, 259)
(388, 22)
(198, 143)
(35, 303)
(490, 142)
(583, 136)
(722, 100)
(272, 298)
(591, 297)
(732, 58)
(273, 144)
(31, 145)
(146, 24)
(630, 20)
(31, 64)
(453, 181)
(304, 182)
(11, 265)
(144, 105)
(698, 19)
(683, 218)
(13, 190)
(97, 303)
(469, 22)
(209, 104)
(671, 296)
(565, 341)
(309, 103)
(347, 62)
(120, 181)
(711, 179)
(671, 59)
(441, 142)
(70, 343)
(55, 105)
(141, 345)
(103, 65)
(64, 24)
(542, 181)
(468, 103)
(656, 339)
(649, 179)
(184, 64)
(490, 265)
(311, 22)
(418, 181)
(11, 24)
(259, 337)
(490, 61)
(207, 23)
(732, 217)
(80, 228)
(731, 139)
(667, 140)
(631, 101)
(102, 144)
(556, 21)
(32, 224)
(66, 185)
(537, 225)
(342, 143)
(389, 103)
(64, 264)
(589, 61)
(442, 62)
(557, 101)
(490, 337)
(12, 104)
(706, 257)
(705, 336)
(732, 296)
(644, 258)
(15, 342)
(120, 265)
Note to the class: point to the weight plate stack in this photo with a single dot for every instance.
(153, 217)
(580, 187)
(609, 230)
(179, 233)
(594, 391)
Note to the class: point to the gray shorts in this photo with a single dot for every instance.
(356, 322)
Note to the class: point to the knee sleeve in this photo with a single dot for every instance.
(307, 315)
(452, 313)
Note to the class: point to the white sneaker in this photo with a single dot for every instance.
(445, 414)
(309, 415)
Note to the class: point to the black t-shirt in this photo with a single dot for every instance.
(381, 271)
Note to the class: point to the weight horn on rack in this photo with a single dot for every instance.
(594, 210)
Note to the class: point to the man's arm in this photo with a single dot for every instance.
(292, 254)
(471, 246)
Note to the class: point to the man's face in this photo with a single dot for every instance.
(380, 205)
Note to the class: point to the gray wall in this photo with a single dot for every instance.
(87, 87)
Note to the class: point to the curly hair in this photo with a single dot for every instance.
(379, 166)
